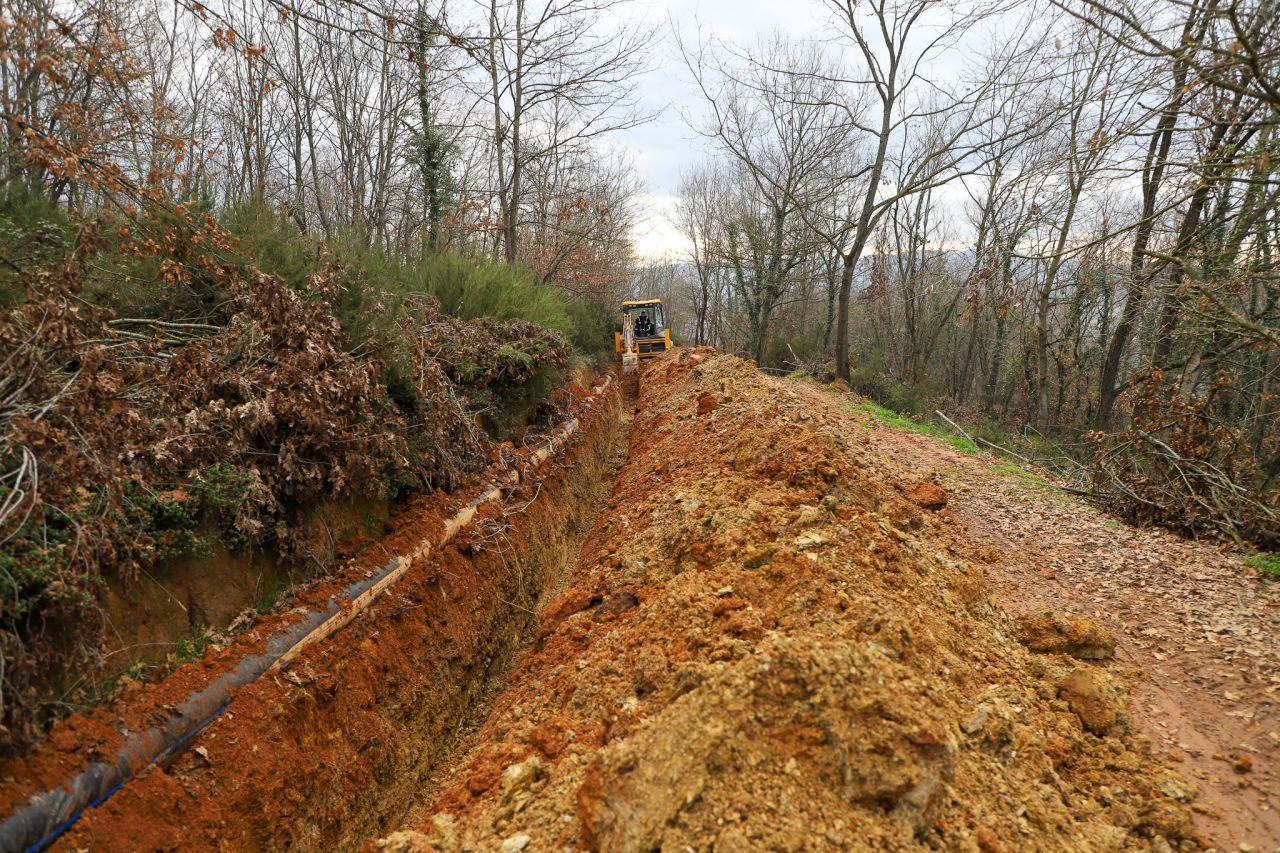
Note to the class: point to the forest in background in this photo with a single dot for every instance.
(1058, 219)
(257, 258)
(254, 255)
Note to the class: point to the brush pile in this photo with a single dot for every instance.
(128, 441)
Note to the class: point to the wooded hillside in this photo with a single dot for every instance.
(1058, 218)
(259, 254)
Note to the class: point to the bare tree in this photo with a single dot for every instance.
(774, 118)
(698, 216)
(933, 125)
(557, 78)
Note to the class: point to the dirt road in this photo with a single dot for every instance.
(1202, 628)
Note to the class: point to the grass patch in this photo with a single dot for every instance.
(187, 649)
(1017, 474)
(1267, 565)
(888, 417)
(269, 596)
(191, 647)
(1034, 484)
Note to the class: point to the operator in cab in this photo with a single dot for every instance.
(644, 326)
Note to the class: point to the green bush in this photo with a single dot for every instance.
(374, 286)
(31, 564)
(1268, 565)
(272, 244)
(33, 232)
(592, 329)
(186, 520)
(469, 288)
(381, 300)
(901, 398)
(794, 349)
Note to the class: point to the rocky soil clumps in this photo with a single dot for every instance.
(1047, 631)
(800, 664)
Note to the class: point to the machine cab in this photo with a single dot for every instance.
(648, 325)
(647, 319)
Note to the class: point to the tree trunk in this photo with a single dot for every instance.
(1152, 177)
(842, 316)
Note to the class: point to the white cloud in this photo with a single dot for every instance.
(667, 146)
(656, 239)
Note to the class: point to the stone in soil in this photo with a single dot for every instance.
(927, 496)
(1093, 697)
(1050, 632)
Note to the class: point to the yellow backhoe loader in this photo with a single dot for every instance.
(643, 332)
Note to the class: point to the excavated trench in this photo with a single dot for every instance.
(334, 746)
(766, 644)
(760, 641)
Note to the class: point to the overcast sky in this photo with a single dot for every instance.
(661, 149)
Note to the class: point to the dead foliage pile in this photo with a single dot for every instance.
(485, 352)
(128, 442)
(503, 369)
(1186, 464)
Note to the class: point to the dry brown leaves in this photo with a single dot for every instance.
(118, 450)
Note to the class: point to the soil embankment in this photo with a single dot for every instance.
(765, 646)
(327, 751)
(778, 634)
(1200, 625)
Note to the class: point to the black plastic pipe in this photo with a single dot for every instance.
(37, 824)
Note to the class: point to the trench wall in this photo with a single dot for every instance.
(334, 749)
(146, 617)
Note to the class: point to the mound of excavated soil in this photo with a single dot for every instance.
(763, 648)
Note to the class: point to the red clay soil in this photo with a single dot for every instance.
(324, 753)
(766, 646)
(1203, 628)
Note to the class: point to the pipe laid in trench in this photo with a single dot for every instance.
(48, 815)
